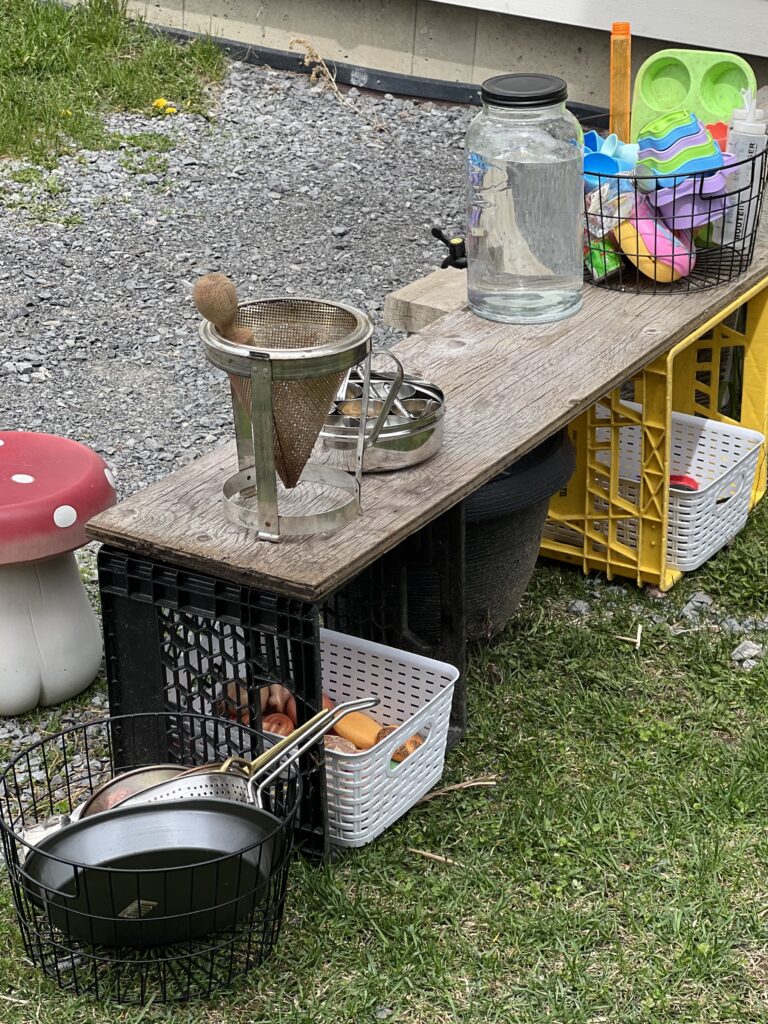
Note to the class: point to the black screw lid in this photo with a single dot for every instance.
(524, 90)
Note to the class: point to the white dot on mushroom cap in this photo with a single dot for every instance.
(22, 478)
(64, 516)
(2, 442)
(110, 478)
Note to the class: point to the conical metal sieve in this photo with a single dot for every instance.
(299, 407)
(283, 386)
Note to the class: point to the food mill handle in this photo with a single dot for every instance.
(318, 729)
(394, 387)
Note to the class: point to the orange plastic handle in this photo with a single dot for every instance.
(621, 79)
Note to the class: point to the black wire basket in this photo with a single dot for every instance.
(131, 935)
(697, 232)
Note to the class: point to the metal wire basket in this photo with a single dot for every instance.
(67, 930)
(698, 232)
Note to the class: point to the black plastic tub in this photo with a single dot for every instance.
(504, 522)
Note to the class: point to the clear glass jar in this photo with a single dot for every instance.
(525, 207)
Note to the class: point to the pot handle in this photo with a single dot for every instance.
(253, 767)
(310, 738)
(394, 387)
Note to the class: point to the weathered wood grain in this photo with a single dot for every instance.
(416, 305)
(507, 389)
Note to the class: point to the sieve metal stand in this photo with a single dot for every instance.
(251, 496)
(256, 478)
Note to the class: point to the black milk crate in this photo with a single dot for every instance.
(178, 640)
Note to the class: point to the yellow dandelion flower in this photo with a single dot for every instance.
(160, 103)
(66, 113)
(170, 110)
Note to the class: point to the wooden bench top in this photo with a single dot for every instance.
(507, 389)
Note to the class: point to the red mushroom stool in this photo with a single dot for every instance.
(50, 642)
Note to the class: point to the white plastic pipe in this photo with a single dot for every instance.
(50, 642)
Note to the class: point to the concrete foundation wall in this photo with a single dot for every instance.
(415, 37)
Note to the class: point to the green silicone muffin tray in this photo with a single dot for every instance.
(704, 82)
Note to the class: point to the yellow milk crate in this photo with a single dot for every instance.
(719, 372)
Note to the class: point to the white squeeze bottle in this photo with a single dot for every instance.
(746, 138)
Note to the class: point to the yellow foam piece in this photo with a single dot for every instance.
(637, 252)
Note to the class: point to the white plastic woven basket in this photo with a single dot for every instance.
(366, 792)
(722, 458)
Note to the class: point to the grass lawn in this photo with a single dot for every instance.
(616, 872)
(62, 67)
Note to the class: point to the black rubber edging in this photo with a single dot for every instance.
(414, 86)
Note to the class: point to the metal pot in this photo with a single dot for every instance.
(122, 786)
(412, 434)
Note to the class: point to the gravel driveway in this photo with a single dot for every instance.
(285, 190)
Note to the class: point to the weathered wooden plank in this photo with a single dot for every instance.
(416, 305)
(507, 388)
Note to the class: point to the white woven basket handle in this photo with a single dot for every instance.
(390, 745)
(722, 500)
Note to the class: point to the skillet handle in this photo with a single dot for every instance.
(235, 761)
(37, 890)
